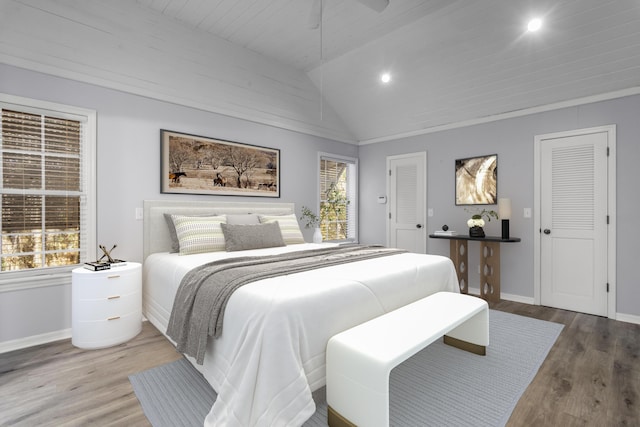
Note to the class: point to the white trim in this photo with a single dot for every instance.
(322, 133)
(24, 281)
(629, 318)
(355, 161)
(613, 227)
(14, 281)
(516, 298)
(34, 340)
(506, 297)
(620, 317)
(511, 114)
(536, 220)
(425, 228)
(611, 210)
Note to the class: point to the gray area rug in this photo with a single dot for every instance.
(439, 386)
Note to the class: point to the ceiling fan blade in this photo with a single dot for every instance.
(315, 15)
(377, 5)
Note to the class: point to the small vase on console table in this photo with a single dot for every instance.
(475, 225)
(476, 231)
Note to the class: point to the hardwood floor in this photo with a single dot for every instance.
(58, 384)
(590, 378)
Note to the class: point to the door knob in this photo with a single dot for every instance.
(547, 231)
(418, 225)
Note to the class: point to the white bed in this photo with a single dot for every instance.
(271, 354)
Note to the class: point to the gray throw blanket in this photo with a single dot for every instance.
(198, 309)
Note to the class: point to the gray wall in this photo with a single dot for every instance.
(513, 140)
(129, 172)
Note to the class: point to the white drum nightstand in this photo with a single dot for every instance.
(106, 306)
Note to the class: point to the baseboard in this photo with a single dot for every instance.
(34, 340)
(21, 343)
(622, 317)
(517, 298)
(507, 297)
(629, 318)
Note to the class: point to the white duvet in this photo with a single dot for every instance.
(271, 354)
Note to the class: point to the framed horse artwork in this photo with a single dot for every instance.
(192, 164)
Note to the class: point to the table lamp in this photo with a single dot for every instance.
(504, 212)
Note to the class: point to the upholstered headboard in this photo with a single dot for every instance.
(156, 232)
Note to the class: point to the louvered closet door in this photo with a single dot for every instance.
(573, 204)
(407, 202)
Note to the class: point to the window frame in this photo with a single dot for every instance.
(55, 276)
(352, 203)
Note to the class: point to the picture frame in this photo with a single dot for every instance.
(476, 180)
(192, 164)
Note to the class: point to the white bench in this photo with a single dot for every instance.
(360, 359)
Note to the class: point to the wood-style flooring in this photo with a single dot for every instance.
(590, 378)
(58, 384)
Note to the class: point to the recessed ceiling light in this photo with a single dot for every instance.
(534, 25)
(385, 77)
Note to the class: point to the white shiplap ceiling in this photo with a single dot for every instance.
(280, 29)
(451, 61)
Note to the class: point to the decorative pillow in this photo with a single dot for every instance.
(175, 243)
(251, 236)
(197, 234)
(289, 227)
(243, 219)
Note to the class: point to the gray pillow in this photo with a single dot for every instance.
(175, 244)
(243, 219)
(252, 236)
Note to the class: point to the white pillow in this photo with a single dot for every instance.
(289, 227)
(243, 219)
(198, 234)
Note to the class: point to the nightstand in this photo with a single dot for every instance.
(106, 306)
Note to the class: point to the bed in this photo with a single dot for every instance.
(271, 355)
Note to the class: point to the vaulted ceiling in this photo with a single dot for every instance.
(452, 62)
(289, 30)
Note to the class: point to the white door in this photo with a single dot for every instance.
(573, 221)
(406, 213)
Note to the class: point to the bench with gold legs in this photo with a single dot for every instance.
(360, 359)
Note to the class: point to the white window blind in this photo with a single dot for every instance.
(44, 182)
(338, 198)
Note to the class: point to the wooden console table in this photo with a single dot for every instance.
(489, 262)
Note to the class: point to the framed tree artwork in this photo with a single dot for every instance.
(477, 180)
(193, 164)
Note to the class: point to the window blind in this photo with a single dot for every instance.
(42, 190)
(338, 196)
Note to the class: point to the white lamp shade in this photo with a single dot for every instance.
(504, 208)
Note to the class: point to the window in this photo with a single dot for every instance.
(46, 188)
(338, 197)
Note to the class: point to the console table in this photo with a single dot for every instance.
(489, 262)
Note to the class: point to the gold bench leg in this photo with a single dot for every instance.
(466, 346)
(334, 419)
